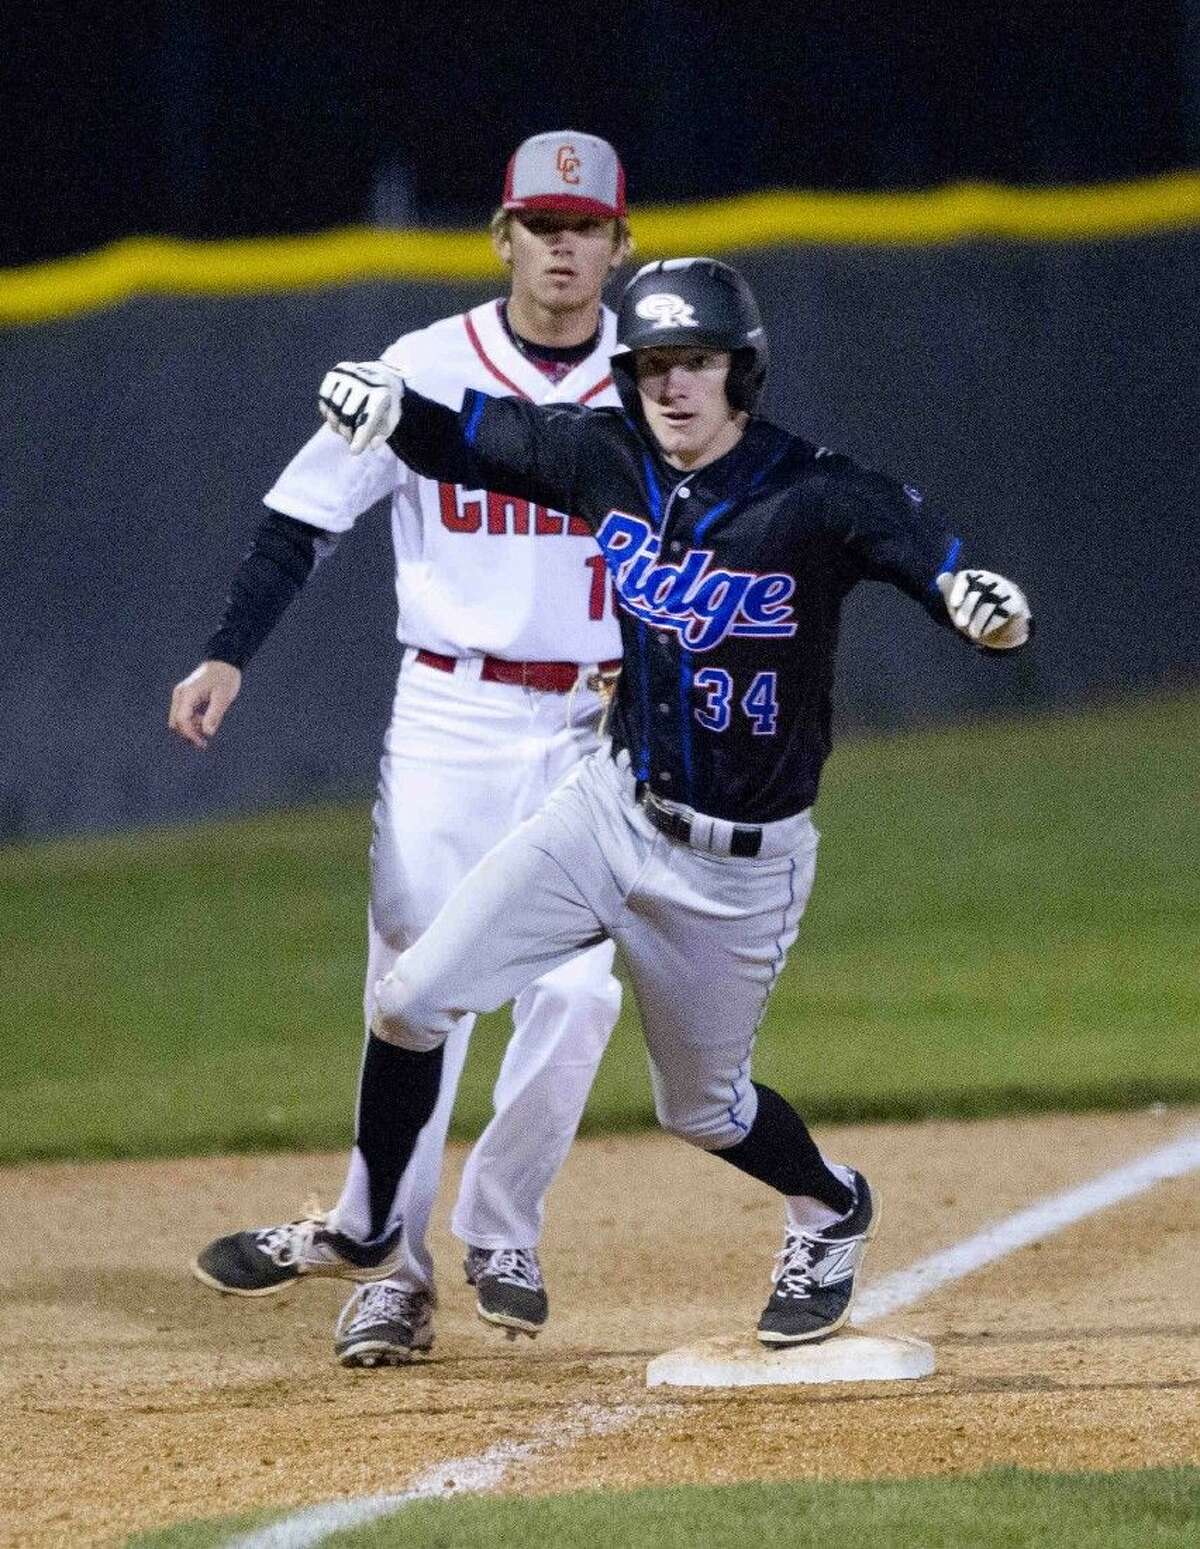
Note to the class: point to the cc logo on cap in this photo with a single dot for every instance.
(666, 310)
(567, 163)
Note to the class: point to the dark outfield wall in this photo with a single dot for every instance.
(1049, 396)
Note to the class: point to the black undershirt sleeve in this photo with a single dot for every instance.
(276, 565)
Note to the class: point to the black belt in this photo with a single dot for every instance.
(745, 843)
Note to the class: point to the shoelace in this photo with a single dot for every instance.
(515, 1266)
(287, 1244)
(793, 1267)
(378, 1303)
(476, 1263)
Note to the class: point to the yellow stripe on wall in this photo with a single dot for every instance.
(141, 266)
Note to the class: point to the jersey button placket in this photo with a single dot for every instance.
(672, 546)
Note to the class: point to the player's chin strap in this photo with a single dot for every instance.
(988, 609)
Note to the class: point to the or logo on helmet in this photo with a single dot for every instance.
(719, 311)
(665, 310)
(567, 164)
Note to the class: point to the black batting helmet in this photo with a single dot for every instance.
(692, 301)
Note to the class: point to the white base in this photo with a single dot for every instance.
(739, 1361)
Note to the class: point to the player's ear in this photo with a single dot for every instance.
(622, 245)
(501, 239)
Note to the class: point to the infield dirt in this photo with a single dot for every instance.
(131, 1396)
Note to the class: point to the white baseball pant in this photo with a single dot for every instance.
(704, 936)
(465, 762)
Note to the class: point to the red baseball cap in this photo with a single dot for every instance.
(566, 170)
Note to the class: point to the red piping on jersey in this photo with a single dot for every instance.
(473, 335)
(598, 388)
(492, 367)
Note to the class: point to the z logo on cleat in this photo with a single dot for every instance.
(838, 1264)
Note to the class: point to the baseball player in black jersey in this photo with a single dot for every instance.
(688, 838)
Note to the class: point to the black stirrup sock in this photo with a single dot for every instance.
(780, 1152)
(397, 1094)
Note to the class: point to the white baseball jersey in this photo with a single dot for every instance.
(463, 585)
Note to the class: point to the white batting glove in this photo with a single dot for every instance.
(991, 611)
(361, 401)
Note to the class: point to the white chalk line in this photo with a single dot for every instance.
(1041, 1219)
(457, 1476)
(485, 1470)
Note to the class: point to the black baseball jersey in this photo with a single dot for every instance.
(730, 580)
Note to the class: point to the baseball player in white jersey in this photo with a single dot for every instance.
(508, 628)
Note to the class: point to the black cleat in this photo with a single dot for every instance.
(511, 1293)
(267, 1258)
(814, 1276)
(383, 1325)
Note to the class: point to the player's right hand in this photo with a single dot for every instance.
(199, 703)
(361, 401)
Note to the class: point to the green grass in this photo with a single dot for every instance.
(1005, 917)
(1001, 1509)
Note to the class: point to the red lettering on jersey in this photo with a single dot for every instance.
(503, 509)
(505, 514)
(598, 589)
(468, 519)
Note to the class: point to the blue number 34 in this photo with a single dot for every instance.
(758, 702)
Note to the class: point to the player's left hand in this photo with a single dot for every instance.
(361, 401)
(987, 608)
